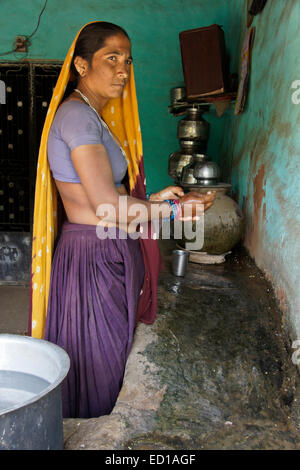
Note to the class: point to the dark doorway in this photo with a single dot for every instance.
(28, 90)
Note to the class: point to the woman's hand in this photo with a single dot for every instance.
(171, 192)
(194, 204)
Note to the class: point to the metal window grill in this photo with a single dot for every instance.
(25, 100)
(28, 88)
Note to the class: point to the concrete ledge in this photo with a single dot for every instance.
(135, 409)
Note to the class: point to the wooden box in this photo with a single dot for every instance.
(204, 61)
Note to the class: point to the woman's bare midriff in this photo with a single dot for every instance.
(77, 206)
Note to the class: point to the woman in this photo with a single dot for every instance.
(100, 286)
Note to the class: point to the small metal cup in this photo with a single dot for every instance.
(180, 260)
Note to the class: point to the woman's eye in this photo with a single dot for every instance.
(113, 58)
(129, 61)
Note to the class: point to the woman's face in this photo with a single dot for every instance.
(109, 70)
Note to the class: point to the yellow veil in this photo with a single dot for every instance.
(121, 115)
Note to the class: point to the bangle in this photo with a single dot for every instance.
(176, 208)
(148, 196)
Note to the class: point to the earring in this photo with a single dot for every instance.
(81, 72)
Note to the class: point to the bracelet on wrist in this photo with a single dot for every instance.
(176, 208)
(148, 196)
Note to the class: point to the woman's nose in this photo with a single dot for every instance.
(124, 70)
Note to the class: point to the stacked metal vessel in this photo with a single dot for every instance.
(193, 134)
(193, 170)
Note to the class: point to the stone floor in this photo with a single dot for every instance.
(14, 304)
(214, 371)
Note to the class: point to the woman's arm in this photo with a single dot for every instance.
(171, 192)
(122, 190)
(94, 170)
(93, 167)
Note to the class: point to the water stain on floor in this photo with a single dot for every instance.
(226, 361)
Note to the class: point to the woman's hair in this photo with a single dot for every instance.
(92, 38)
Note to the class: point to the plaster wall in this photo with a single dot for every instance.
(258, 150)
(261, 149)
(153, 26)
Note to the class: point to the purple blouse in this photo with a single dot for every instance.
(76, 124)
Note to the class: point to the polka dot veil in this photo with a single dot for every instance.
(121, 116)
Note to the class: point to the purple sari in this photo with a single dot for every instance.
(93, 302)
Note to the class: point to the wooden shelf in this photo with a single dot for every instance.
(222, 97)
(179, 108)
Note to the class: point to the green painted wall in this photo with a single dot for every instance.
(261, 149)
(153, 26)
(258, 151)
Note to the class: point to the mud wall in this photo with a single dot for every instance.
(261, 149)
